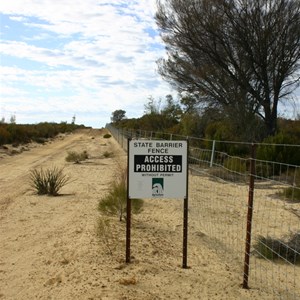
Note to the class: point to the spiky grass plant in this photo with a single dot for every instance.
(49, 181)
(56, 180)
(38, 180)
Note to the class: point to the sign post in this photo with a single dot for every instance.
(157, 169)
(128, 213)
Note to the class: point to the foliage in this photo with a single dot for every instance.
(235, 164)
(76, 157)
(279, 249)
(107, 136)
(228, 53)
(39, 181)
(152, 107)
(118, 115)
(115, 202)
(274, 149)
(49, 181)
(24, 133)
(172, 110)
(4, 135)
(293, 193)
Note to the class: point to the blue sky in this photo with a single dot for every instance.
(87, 58)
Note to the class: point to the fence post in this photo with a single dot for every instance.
(249, 217)
(212, 153)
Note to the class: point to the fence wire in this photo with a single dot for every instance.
(219, 208)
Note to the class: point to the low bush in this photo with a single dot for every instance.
(274, 150)
(115, 202)
(24, 133)
(49, 181)
(77, 157)
(107, 136)
(283, 249)
(4, 135)
(292, 193)
(235, 164)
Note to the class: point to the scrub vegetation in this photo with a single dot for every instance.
(76, 157)
(49, 181)
(115, 201)
(13, 133)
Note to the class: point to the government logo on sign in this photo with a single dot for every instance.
(157, 187)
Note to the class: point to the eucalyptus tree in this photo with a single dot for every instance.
(118, 115)
(241, 56)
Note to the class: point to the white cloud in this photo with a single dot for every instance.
(84, 56)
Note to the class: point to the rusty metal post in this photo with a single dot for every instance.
(185, 233)
(249, 217)
(185, 214)
(128, 211)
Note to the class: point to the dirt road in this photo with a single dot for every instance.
(50, 248)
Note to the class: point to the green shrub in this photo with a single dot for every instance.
(264, 169)
(273, 249)
(39, 140)
(24, 133)
(115, 202)
(76, 157)
(274, 150)
(235, 164)
(107, 136)
(4, 135)
(292, 193)
(49, 181)
(39, 181)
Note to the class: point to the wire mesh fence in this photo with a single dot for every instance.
(249, 208)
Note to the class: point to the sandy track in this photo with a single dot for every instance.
(50, 250)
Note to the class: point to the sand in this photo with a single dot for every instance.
(51, 247)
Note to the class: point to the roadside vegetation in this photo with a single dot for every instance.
(107, 136)
(279, 249)
(48, 181)
(114, 203)
(77, 157)
(13, 133)
(292, 193)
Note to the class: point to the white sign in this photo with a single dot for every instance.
(157, 169)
